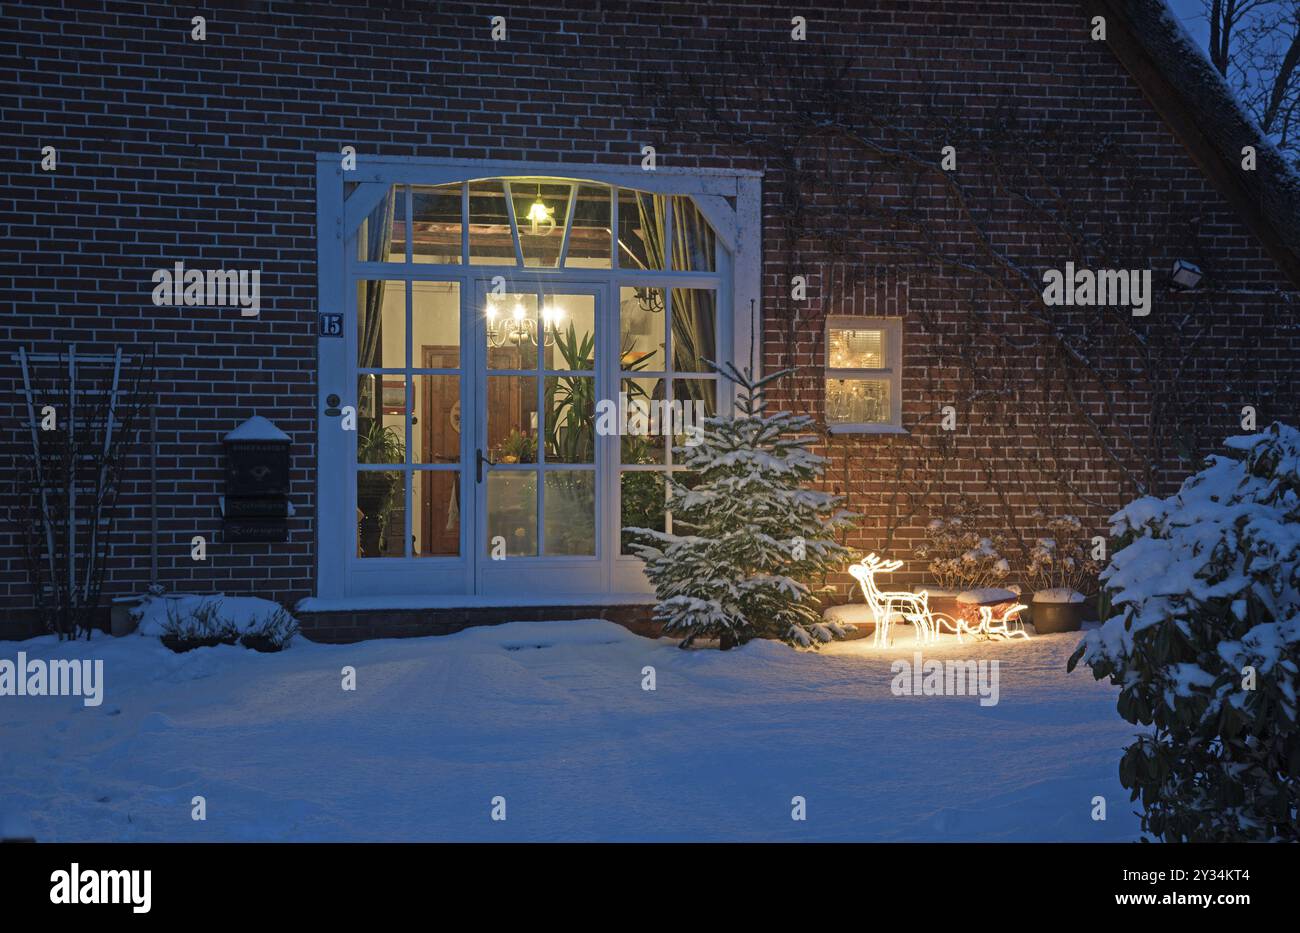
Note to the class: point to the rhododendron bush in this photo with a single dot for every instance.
(1206, 645)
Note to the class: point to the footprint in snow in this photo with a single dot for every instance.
(945, 821)
(155, 722)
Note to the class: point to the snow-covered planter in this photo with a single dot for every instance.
(271, 633)
(202, 626)
(1061, 573)
(186, 622)
(1206, 646)
(749, 536)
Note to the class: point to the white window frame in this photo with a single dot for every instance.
(893, 373)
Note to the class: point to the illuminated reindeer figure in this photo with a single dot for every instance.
(915, 608)
(911, 607)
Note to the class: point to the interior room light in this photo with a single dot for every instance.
(541, 219)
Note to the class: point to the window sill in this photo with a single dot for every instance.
(866, 429)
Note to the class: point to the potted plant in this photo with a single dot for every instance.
(517, 447)
(273, 633)
(201, 627)
(963, 562)
(377, 490)
(1062, 574)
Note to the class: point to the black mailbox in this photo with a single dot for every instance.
(257, 482)
(257, 468)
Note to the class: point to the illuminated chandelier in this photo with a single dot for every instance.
(651, 300)
(519, 328)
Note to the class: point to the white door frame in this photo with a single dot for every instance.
(730, 200)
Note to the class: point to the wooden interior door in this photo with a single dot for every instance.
(440, 427)
(507, 397)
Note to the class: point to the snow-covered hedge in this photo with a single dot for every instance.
(1206, 645)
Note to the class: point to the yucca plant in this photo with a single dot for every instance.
(571, 400)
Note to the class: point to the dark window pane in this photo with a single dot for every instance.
(435, 527)
(641, 218)
(382, 235)
(693, 239)
(435, 223)
(490, 240)
(694, 329)
(381, 513)
(381, 325)
(642, 497)
(512, 513)
(569, 513)
(590, 236)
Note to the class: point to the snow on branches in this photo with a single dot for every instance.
(748, 535)
(1206, 645)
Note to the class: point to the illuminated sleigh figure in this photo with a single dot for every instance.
(915, 609)
(1001, 628)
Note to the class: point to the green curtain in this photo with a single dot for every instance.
(694, 311)
(379, 231)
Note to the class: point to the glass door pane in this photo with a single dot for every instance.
(409, 493)
(537, 431)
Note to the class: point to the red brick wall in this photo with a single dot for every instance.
(171, 149)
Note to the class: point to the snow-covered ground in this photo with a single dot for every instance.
(553, 717)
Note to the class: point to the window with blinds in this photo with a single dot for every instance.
(863, 375)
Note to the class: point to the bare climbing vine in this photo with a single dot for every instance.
(1063, 409)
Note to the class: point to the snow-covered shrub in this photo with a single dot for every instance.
(748, 536)
(271, 633)
(203, 622)
(959, 556)
(194, 620)
(1206, 646)
(1060, 561)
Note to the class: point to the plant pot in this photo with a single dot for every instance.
(1050, 618)
(940, 600)
(121, 621)
(181, 645)
(261, 643)
(375, 499)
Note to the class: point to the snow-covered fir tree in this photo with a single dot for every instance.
(749, 538)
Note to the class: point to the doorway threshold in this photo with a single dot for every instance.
(441, 601)
(359, 618)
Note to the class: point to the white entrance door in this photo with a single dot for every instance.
(541, 481)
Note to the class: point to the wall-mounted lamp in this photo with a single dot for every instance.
(1185, 275)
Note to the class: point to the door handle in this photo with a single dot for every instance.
(481, 460)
